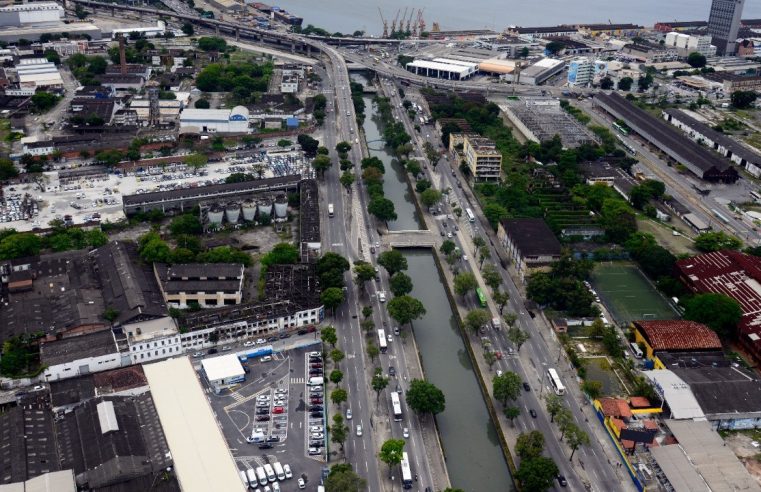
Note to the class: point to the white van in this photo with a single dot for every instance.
(382, 296)
(636, 350)
(261, 475)
(316, 381)
(279, 471)
(270, 472)
(244, 477)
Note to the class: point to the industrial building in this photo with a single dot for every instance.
(733, 274)
(700, 161)
(205, 284)
(721, 143)
(482, 158)
(690, 43)
(443, 68)
(189, 427)
(733, 82)
(538, 73)
(309, 223)
(31, 13)
(540, 119)
(543, 32)
(31, 20)
(38, 73)
(235, 120)
(724, 23)
(265, 208)
(184, 199)
(530, 243)
(581, 72)
(223, 371)
(512, 46)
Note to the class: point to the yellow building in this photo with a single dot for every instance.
(482, 157)
(673, 336)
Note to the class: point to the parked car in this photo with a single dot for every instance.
(302, 484)
(312, 452)
(248, 344)
(316, 415)
(262, 418)
(278, 410)
(265, 445)
(266, 358)
(526, 386)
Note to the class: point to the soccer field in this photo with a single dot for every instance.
(628, 295)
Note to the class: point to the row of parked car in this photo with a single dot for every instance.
(316, 428)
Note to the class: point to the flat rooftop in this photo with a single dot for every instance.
(222, 367)
(74, 348)
(201, 458)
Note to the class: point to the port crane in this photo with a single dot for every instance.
(385, 24)
(393, 23)
(409, 21)
(420, 22)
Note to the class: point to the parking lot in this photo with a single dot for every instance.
(100, 197)
(273, 417)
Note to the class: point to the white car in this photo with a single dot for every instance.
(449, 235)
(275, 487)
(302, 484)
(314, 451)
(390, 337)
(406, 433)
(348, 414)
(499, 372)
(359, 431)
(316, 428)
(263, 398)
(266, 358)
(261, 341)
(317, 435)
(287, 471)
(248, 344)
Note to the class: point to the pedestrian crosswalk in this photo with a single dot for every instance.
(297, 381)
(238, 397)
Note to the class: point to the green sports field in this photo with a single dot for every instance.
(627, 293)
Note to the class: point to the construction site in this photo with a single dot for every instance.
(539, 119)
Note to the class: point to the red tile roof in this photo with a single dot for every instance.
(639, 402)
(733, 274)
(614, 407)
(678, 335)
(650, 424)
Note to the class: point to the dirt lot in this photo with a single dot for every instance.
(740, 442)
(663, 234)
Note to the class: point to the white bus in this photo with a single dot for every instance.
(406, 472)
(557, 385)
(382, 341)
(397, 406)
(469, 213)
(330, 210)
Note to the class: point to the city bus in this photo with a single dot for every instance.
(481, 297)
(469, 213)
(330, 210)
(622, 129)
(406, 471)
(557, 385)
(382, 341)
(397, 406)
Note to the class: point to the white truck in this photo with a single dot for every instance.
(261, 475)
(279, 470)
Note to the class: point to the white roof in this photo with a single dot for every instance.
(222, 367)
(677, 394)
(444, 67)
(193, 114)
(201, 457)
(461, 63)
(107, 417)
(547, 63)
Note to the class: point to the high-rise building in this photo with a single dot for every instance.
(581, 71)
(723, 24)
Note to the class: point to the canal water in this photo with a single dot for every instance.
(474, 458)
(395, 186)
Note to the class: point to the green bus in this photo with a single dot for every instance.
(481, 297)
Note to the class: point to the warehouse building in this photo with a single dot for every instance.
(530, 243)
(38, 73)
(540, 119)
(31, 13)
(233, 120)
(539, 72)
(205, 284)
(223, 371)
(721, 143)
(699, 160)
(443, 68)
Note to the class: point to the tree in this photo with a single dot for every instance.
(500, 298)
(382, 208)
(196, 160)
(405, 309)
(576, 438)
(447, 247)
(743, 99)
(338, 431)
(185, 224)
(322, 163)
(43, 101)
(464, 283)
(494, 213)
(187, 29)
(336, 376)
(564, 420)
(342, 478)
(554, 405)
(347, 179)
(491, 277)
(110, 314)
(338, 396)
(281, 254)
(715, 241)
(483, 253)
(430, 197)
(554, 47)
(337, 356)
(343, 147)
(625, 84)
(592, 388)
(309, 145)
(328, 335)
(476, 319)
(511, 413)
(400, 284)
(367, 311)
(606, 84)
(331, 268)
(7, 169)
(363, 272)
(393, 261)
(372, 351)
(391, 452)
(518, 337)
(510, 319)
(506, 387)
(379, 383)
(719, 312)
(537, 474)
(529, 445)
(644, 82)
(490, 358)
(424, 397)
(696, 60)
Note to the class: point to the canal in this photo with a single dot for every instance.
(474, 458)
(395, 186)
